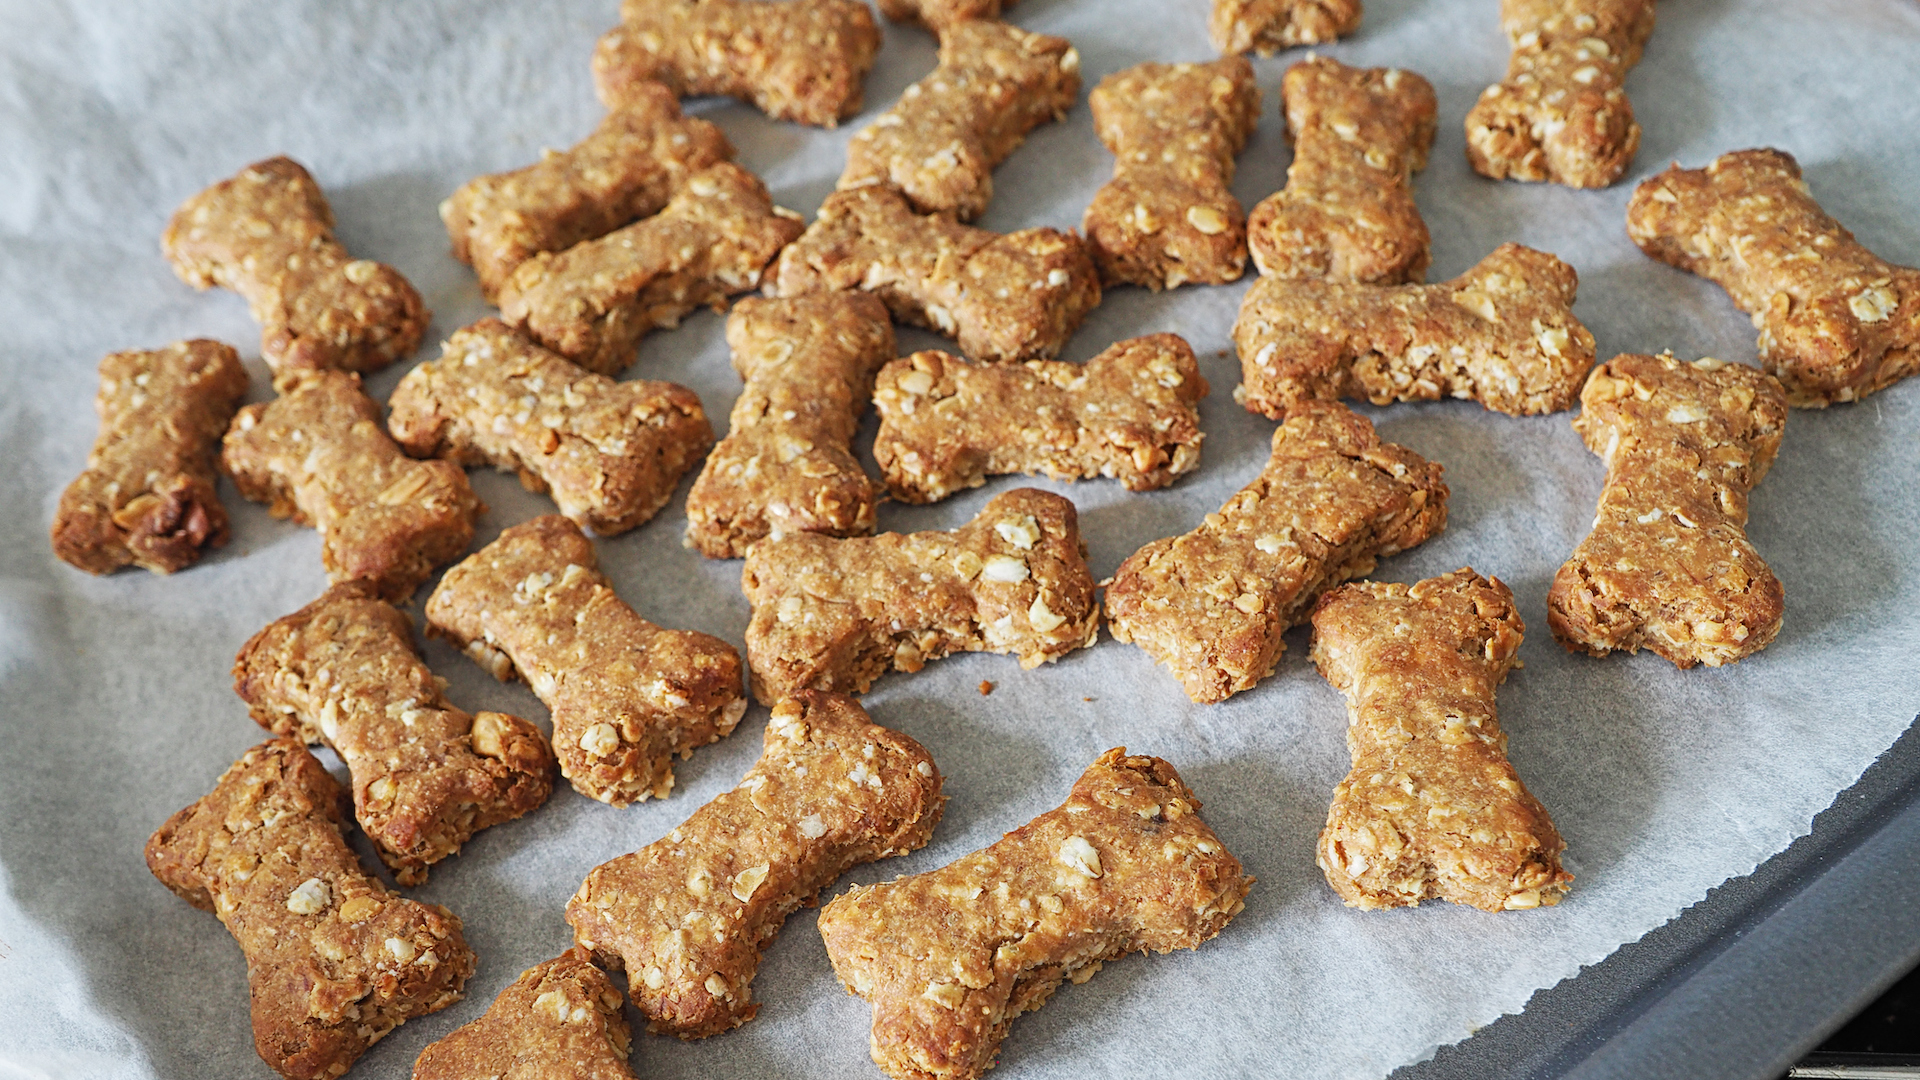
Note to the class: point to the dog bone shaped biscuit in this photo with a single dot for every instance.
(1268, 26)
(560, 1020)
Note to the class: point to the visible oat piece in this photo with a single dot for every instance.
(837, 614)
(146, 498)
(1432, 807)
(318, 454)
(1268, 26)
(1347, 212)
(267, 234)
(610, 453)
(1131, 413)
(787, 462)
(560, 1020)
(626, 695)
(939, 144)
(334, 960)
(688, 916)
(594, 301)
(948, 958)
(1502, 334)
(799, 60)
(1168, 216)
(1668, 566)
(1836, 321)
(1562, 114)
(1012, 297)
(426, 774)
(1214, 603)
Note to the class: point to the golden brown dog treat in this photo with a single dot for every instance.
(799, 60)
(1836, 321)
(1012, 297)
(318, 455)
(640, 154)
(1502, 334)
(939, 144)
(594, 301)
(1214, 603)
(146, 498)
(1432, 807)
(787, 462)
(1168, 216)
(1562, 114)
(626, 695)
(688, 916)
(1268, 26)
(334, 960)
(610, 453)
(948, 958)
(1668, 566)
(560, 1020)
(426, 775)
(834, 614)
(1131, 413)
(937, 15)
(1347, 212)
(267, 234)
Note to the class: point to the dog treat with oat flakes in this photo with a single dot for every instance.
(146, 498)
(1837, 322)
(1502, 334)
(833, 614)
(1132, 413)
(688, 916)
(1668, 566)
(949, 957)
(560, 1020)
(938, 15)
(787, 462)
(334, 960)
(626, 695)
(1268, 26)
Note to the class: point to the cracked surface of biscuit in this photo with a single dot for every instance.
(688, 916)
(950, 957)
(1268, 26)
(560, 1020)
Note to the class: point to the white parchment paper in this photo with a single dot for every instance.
(115, 706)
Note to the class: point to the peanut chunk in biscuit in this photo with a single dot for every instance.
(1132, 413)
(560, 1020)
(1668, 566)
(1502, 334)
(948, 958)
(1214, 603)
(1837, 322)
(267, 234)
(146, 498)
(688, 915)
(334, 960)
(787, 462)
(834, 614)
(1268, 26)
(626, 695)
(1432, 807)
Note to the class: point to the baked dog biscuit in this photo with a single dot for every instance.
(1268, 26)
(334, 960)
(937, 15)
(1432, 806)
(1214, 603)
(948, 958)
(1837, 322)
(834, 614)
(688, 915)
(426, 775)
(939, 144)
(560, 1020)
(318, 454)
(267, 234)
(610, 453)
(146, 498)
(1347, 212)
(1502, 334)
(1168, 216)
(1012, 297)
(626, 695)
(1562, 113)
(1131, 413)
(594, 301)
(787, 462)
(1668, 566)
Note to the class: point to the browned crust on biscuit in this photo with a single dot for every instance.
(560, 1020)
(1268, 26)
(937, 15)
